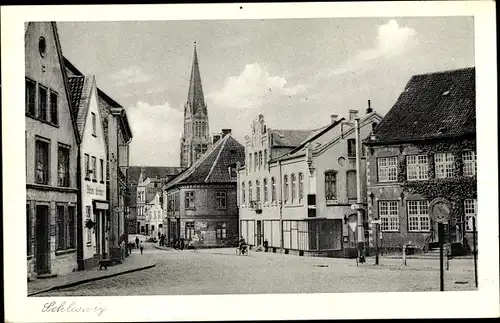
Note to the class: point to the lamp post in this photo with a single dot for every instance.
(361, 230)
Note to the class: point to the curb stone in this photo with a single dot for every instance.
(88, 280)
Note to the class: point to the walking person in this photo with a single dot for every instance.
(266, 245)
(141, 246)
(137, 242)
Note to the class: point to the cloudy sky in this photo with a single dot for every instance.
(295, 71)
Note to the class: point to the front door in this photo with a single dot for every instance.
(42, 239)
(97, 230)
(259, 233)
(103, 234)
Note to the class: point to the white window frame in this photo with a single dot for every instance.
(387, 169)
(444, 165)
(417, 167)
(266, 191)
(418, 216)
(389, 215)
(469, 163)
(470, 210)
(189, 200)
(220, 197)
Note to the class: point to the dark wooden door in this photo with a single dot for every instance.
(42, 239)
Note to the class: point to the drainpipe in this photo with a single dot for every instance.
(79, 215)
(281, 206)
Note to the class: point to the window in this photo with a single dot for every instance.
(286, 189)
(87, 167)
(220, 232)
(256, 162)
(294, 188)
(42, 102)
(220, 197)
(387, 169)
(189, 230)
(330, 185)
(352, 192)
(273, 189)
(189, 200)
(93, 124)
(257, 190)
(250, 162)
(53, 107)
(260, 159)
(266, 198)
(71, 227)
(351, 147)
(250, 193)
(30, 92)
(63, 167)
(265, 159)
(61, 234)
(445, 165)
(417, 167)
(388, 212)
(42, 162)
(418, 216)
(89, 231)
(102, 170)
(470, 210)
(469, 160)
(94, 165)
(301, 188)
(243, 200)
(28, 230)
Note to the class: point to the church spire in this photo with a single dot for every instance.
(196, 100)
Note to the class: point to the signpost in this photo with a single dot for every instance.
(439, 210)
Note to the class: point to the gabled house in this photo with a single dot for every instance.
(201, 201)
(94, 205)
(424, 149)
(154, 217)
(52, 141)
(302, 202)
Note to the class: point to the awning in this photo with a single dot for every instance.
(101, 205)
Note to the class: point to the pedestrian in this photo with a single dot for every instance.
(266, 245)
(182, 243)
(141, 246)
(137, 242)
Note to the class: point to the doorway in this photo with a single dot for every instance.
(42, 239)
(260, 233)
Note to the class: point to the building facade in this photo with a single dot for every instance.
(425, 149)
(93, 204)
(300, 201)
(195, 140)
(201, 201)
(52, 143)
(154, 217)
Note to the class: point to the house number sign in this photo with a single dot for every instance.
(439, 210)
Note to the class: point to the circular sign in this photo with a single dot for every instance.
(439, 210)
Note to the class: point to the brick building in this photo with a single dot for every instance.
(201, 201)
(52, 143)
(423, 149)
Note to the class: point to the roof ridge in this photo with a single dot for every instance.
(446, 71)
(217, 158)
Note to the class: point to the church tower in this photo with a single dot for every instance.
(195, 139)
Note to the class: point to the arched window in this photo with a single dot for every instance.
(257, 190)
(265, 191)
(273, 189)
(301, 188)
(294, 188)
(265, 159)
(260, 159)
(250, 192)
(285, 189)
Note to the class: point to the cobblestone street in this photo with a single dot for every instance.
(221, 271)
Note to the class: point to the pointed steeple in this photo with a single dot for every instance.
(196, 100)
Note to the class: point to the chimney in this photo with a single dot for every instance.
(369, 110)
(334, 117)
(353, 114)
(225, 132)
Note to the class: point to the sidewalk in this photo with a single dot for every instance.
(133, 262)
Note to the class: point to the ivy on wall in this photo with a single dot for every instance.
(455, 188)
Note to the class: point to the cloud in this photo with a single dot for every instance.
(253, 88)
(131, 75)
(391, 40)
(156, 133)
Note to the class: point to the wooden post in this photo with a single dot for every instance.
(474, 248)
(441, 273)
